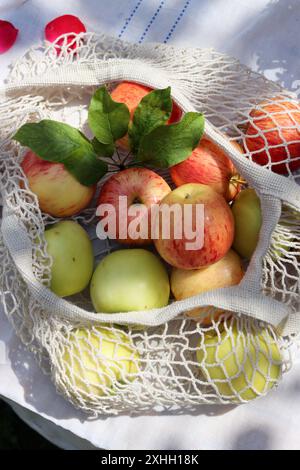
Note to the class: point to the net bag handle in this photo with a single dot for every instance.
(97, 73)
(237, 299)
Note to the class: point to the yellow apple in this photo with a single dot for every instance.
(187, 283)
(239, 360)
(98, 359)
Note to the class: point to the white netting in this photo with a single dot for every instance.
(98, 361)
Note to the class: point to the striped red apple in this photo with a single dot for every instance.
(209, 165)
(218, 227)
(58, 192)
(273, 135)
(139, 186)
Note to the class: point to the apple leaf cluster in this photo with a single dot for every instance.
(152, 142)
(60, 143)
(108, 121)
(154, 110)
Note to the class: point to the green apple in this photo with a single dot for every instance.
(240, 360)
(248, 219)
(132, 279)
(72, 257)
(96, 359)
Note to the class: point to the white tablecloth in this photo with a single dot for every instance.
(265, 35)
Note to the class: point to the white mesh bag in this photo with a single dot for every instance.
(158, 359)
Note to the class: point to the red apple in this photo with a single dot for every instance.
(209, 165)
(131, 94)
(58, 192)
(218, 228)
(274, 125)
(139, 186)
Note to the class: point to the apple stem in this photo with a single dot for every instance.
(117, 152)
(238, 180)
(116, 163)
(241, 181)
(125, 158)
(121, 164)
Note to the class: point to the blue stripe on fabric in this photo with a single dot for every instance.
(178, 19)
(130, 18)
(151, 21)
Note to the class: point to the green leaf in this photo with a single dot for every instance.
(166, 146)
(153, 111)
(103, 150)
(107, 119)
(58, 142)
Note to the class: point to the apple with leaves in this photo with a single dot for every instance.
(63, 154)
(153, 144)
(151, 141)
(59, 193)
(62, 168)
(131, 94)
(217, 226)
(208, 164)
